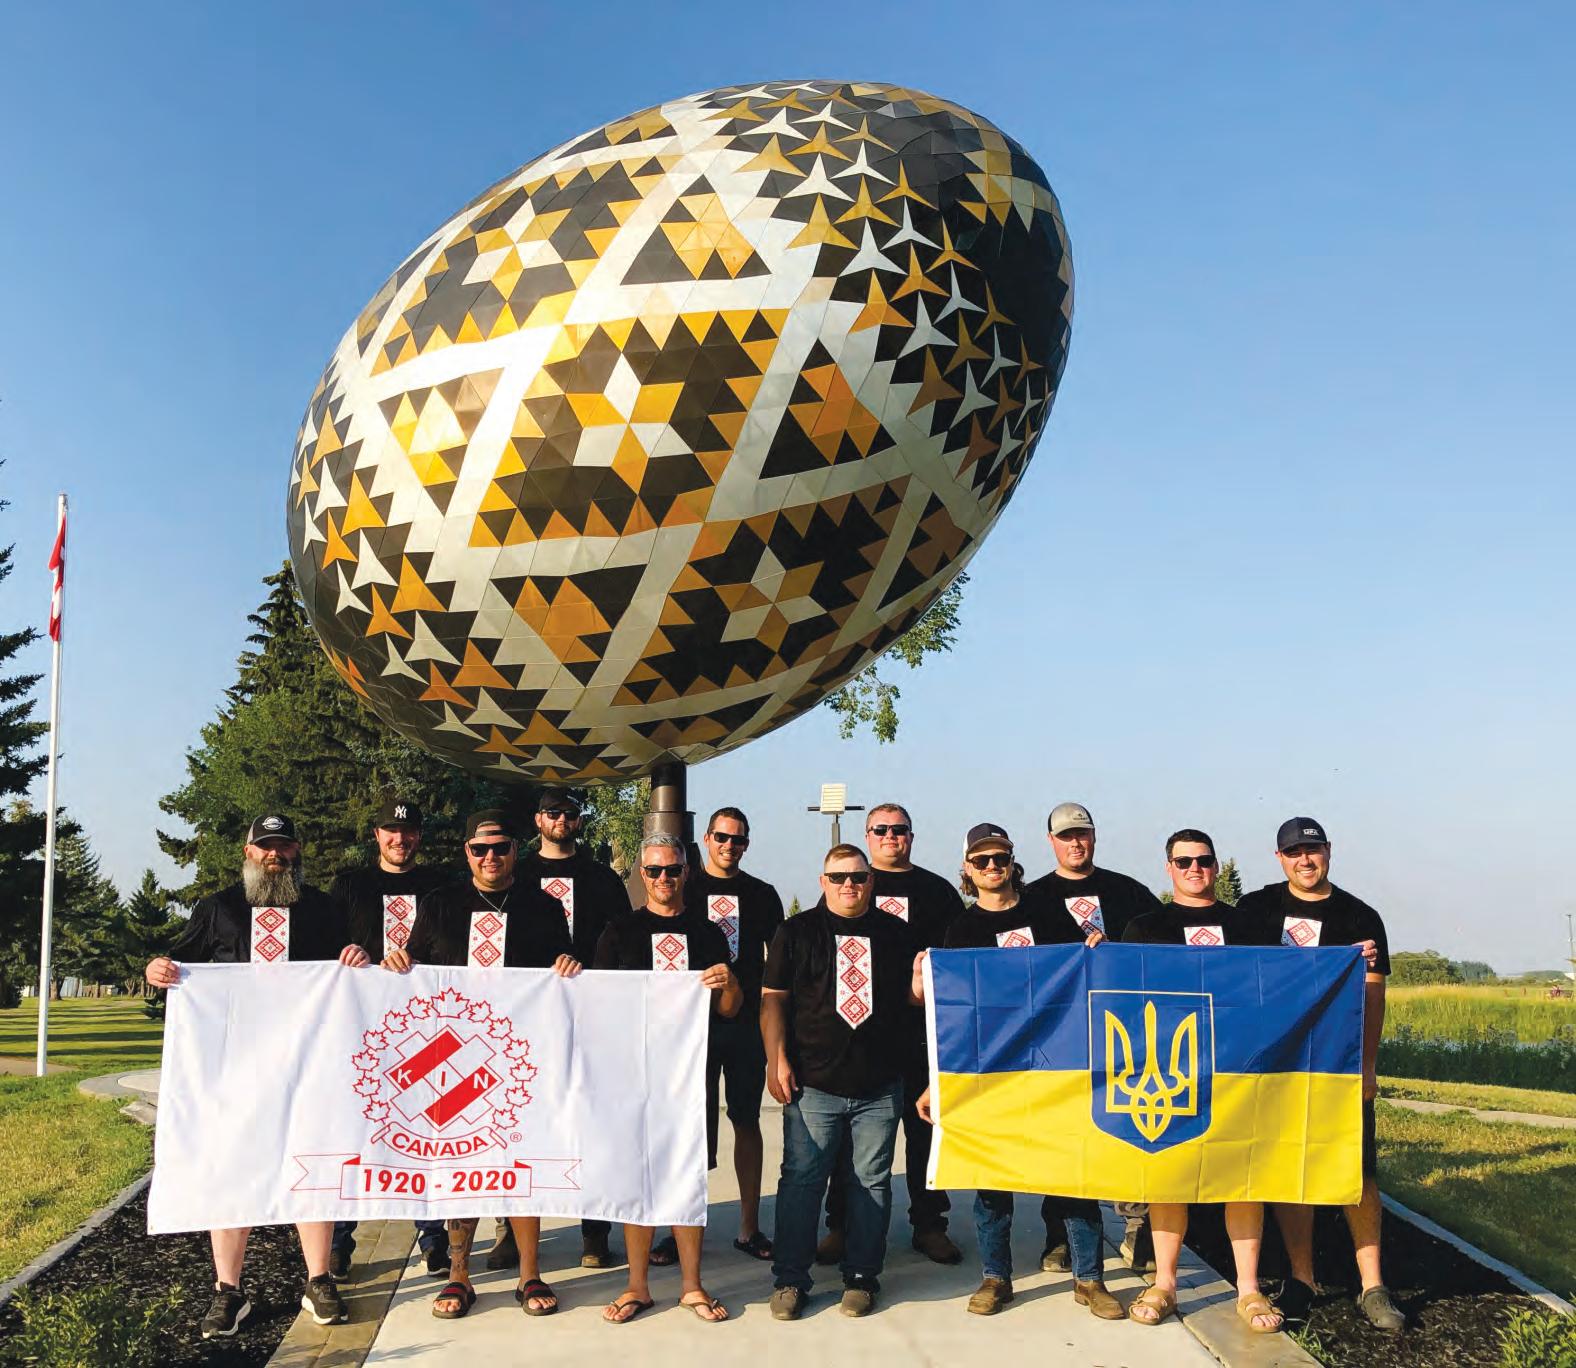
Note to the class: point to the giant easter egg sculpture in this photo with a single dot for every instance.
(659, 440)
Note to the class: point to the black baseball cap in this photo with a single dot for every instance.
(1296, 831)
(557, 798)
(399, 812)
(986, 834)
(271, 826)
(497, 817)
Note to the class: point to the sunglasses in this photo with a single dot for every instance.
(482, 849)
(555, 813)
(894, 828)
(727, 838)
(999, 859)
(1186, 861)
(857, 877)
(655, 872)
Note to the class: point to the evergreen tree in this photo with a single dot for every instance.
(148, 926)
(89, 933)
(1228, 883)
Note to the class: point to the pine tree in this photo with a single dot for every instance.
(89, 933)
(149, 927)
(1228, 883)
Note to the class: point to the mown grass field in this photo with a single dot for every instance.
(1481, 1095)
(99, 1035)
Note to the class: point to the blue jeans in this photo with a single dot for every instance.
(430, 1234)
(815, 1126)
(993, 1231)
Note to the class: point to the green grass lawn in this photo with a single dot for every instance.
(1481, 1095)
(1508, 1189)
(96, 1034)
(64, 1155)
(1453, 1011)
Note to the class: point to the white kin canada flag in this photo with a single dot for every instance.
(313, 1092)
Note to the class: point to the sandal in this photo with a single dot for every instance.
(534, 1289)
(718, 1311)
(1256, 1305)
(454, 1292)
(665, 1252)
(1157, 1299)
(758, 1246)
(613, 1314)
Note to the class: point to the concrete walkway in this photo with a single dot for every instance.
(921, 1319)
(1483, 1114)
(17, 1066)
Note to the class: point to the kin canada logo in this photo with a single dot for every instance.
(1152, 1066)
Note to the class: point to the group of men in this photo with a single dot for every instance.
(824, 1010)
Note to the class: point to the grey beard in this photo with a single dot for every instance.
(266, 889)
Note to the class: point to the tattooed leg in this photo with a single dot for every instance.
(462, 1235)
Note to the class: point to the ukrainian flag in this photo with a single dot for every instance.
(1148, 1073)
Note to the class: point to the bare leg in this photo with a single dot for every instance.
(748, 1153)
(1168, 1221)
(637, 1248)
(528, 1238)
(229, 1252)
(688, 1239)
(1296, 1228)
(1245, 1227)
(1363, 1220)
(316, 1237)
(462, 1235)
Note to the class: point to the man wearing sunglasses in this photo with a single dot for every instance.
(591, 895)
(928, 903)
(380, 901)
(1001, 918)
(664, 935)
(837, 1017)
(1195, 918)
(748, 912)
(491, 920)
(1307, 911)
(1092, 899)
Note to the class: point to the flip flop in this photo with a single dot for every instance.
(625, 1303)
(454, 1291)
(665, 1252)
(535, 1290)
(707, 1303)
(758, 1246)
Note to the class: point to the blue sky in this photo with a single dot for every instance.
(1297, 538)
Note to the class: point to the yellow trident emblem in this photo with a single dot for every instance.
(1151, 1100)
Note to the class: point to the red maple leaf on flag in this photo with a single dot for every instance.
(479, 1012)
(450, 1003)
(375, 1041)
(517, 1097)
(375, 1111)
(501, 1026)
(366, 1061)
(517, 1048)
(396, 1023)
(505, 1117)
(525, 1071)
(420, 1008)
(367, 1087)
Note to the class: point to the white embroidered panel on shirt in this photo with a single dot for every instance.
(669, 950)
(855, 995)
(488, 929)
(896, 906)
(564, 891)
(1015, 939)
(270, 935)
(1204, 935)
(1300, 931)
(1086, 912)
(399, 915)
(723, 909)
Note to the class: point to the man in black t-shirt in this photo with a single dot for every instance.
(1092, 899)
(667, 937)
(490, 921)
(837, 1018)
(1308, 911)
(928, 903)
(380, 903)
(748, 912)
(591, 895)
(271, 917)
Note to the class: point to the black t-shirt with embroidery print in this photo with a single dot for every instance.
(452, 922)
(219, 930)
(376, 901)
(644, 939)
(1022, 924)
(1340, 919)
(1104, 900)
(924, 900)
(755, 910)
(1217, 924)
(590, 893)
(848, 980)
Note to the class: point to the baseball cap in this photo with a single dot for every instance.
(497, 817)
(399, 812)
(1070, 817)
(271, 826)
(557, 798)
(1296, 831)
(986, 834)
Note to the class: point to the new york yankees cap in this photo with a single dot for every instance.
(399, 812)
(271, 826)
(1296, 831)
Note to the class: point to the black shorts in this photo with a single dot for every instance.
(736, 1058)
(1370, 1144)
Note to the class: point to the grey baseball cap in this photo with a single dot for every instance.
(1070, 817)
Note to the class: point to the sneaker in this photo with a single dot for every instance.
(1055, 1259)
(830, 1250)
(504, 1253)
(859, 1298)
(787, 1303)
(1138, 1245)
(1382, 1312)
(339, 1263)
(936, 1247)
(226, 1311)
(321, 1298)
(437, 1258)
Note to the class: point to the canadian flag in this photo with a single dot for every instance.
(57, 563)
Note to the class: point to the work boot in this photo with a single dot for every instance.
(595, 1253)
(504, 1253)
(1056, 1259)
(787, 1303)
(1101, 1303)
(859, 1296)
(830, 1250)
(936, 1247)
(991, 1295)
(1381, 1311)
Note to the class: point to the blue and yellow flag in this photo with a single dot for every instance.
(1148, 1073)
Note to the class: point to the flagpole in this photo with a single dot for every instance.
(45, 938)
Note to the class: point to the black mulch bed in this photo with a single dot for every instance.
(123, 1255)
(1456, 1309)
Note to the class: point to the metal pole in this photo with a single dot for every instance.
(837, 829)
(45, 938)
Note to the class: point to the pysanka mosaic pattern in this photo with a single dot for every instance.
(666, 435)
